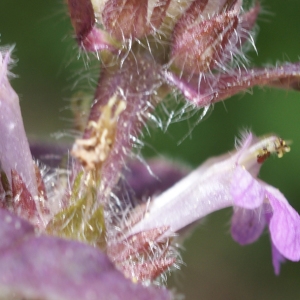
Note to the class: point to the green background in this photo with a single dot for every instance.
(216, 267)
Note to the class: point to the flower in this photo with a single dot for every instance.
(190, 44)
(230, 180)
(34, 265)
(147, 50)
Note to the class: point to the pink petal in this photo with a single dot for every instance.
(247, 225)
(284, 225)
(246, 191)
(277, 259)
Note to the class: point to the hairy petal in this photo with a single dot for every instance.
(230, 5)
(44, 267)
(241, 35)
(217, 6)
(190, 16)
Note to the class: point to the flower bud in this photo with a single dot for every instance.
(133, 18)
(196, 48)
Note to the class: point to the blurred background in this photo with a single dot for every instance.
(47, 66)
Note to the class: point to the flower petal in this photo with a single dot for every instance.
(44, 267)
(284, 225)
(12, 230)
(14, 147)
(277, 259)
(219, 182)
(246, 191)
(203, 191)
(247, 225)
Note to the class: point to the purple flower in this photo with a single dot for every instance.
(148, 49)
(34, 265)
(231, 180)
